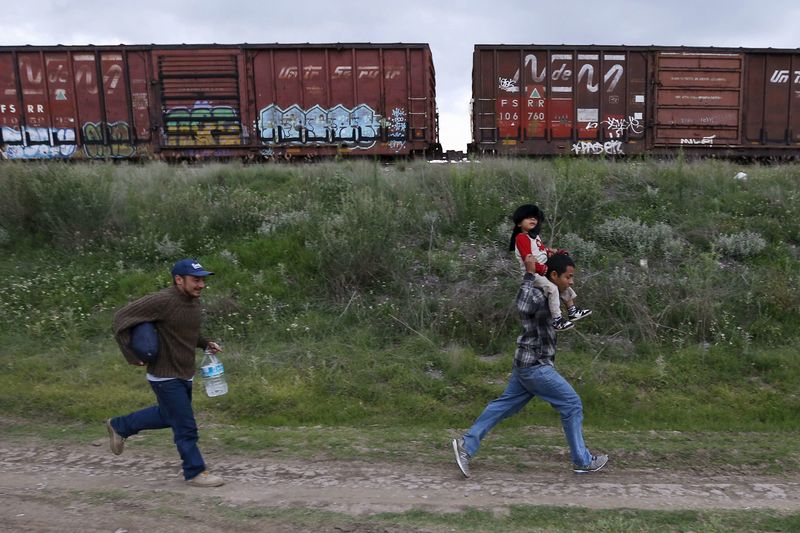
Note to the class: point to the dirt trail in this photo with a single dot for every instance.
(86, 488)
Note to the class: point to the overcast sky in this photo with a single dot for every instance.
(451, 28)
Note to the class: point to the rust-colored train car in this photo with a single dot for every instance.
(210, 101)
(614, 100)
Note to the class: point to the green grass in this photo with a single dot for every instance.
(360, 381)
(357, 294)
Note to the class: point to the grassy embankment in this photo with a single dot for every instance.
(353, 294)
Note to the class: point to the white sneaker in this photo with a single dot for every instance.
(597, 462)
(462, 457)
(579, 313)
(559, 324)
(204, 479)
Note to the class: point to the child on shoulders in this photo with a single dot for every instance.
(525, 241)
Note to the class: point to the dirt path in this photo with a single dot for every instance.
(86, 488)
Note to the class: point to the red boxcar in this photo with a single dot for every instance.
(205, 101)
(613, 100)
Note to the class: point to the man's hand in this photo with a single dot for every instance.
(530, 264)
(213, 346)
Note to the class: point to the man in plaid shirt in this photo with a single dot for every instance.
(534, 373)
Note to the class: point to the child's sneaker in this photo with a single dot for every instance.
(577, 314)
(559, 324)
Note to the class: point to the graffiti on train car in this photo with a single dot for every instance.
(617, 126)
(61, 143)
(118, 145)
(562, 72)
(707, 140)
(357, 128)
(202, 124)
(86, 75)
(37, 143)
(546, 105)
(597, 148)
(398, 126)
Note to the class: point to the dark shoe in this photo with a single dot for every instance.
(204, 479)
(598, 462)
(462, 457)
(577, 314)
(559, 324)
(115, 442)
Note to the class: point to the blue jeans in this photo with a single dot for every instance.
(174, 410)
(525, 383)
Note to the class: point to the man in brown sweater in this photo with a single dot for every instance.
(176, 314)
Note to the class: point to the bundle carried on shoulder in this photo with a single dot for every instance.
(144, 341)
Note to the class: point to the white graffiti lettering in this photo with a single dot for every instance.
(617, 127)
(85, 74)
(708, 140)
(358, 128)
(112, 76)
(398, 127)
(85, 77)
(562, 73)
(59, 76)
(611, 78)
(34, 78)
(614, 74)
(37, 143)
(597, 148)
(508, 85)
(532, 61)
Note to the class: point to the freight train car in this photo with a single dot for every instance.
(614, 100)
(217, 101)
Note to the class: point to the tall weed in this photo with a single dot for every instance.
(386, 287)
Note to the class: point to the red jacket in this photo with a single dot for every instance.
(526, 245)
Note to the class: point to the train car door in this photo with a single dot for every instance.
(698, 99)
(199, 96)
(772, 98)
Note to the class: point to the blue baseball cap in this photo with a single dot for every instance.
(190, 267)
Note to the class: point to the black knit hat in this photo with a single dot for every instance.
(521, 213)
(526, 211)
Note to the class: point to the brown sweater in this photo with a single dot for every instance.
(177, 318)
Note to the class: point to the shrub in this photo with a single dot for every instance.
(637, 238)
(740, 245)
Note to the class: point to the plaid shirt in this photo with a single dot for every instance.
(537, 344)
